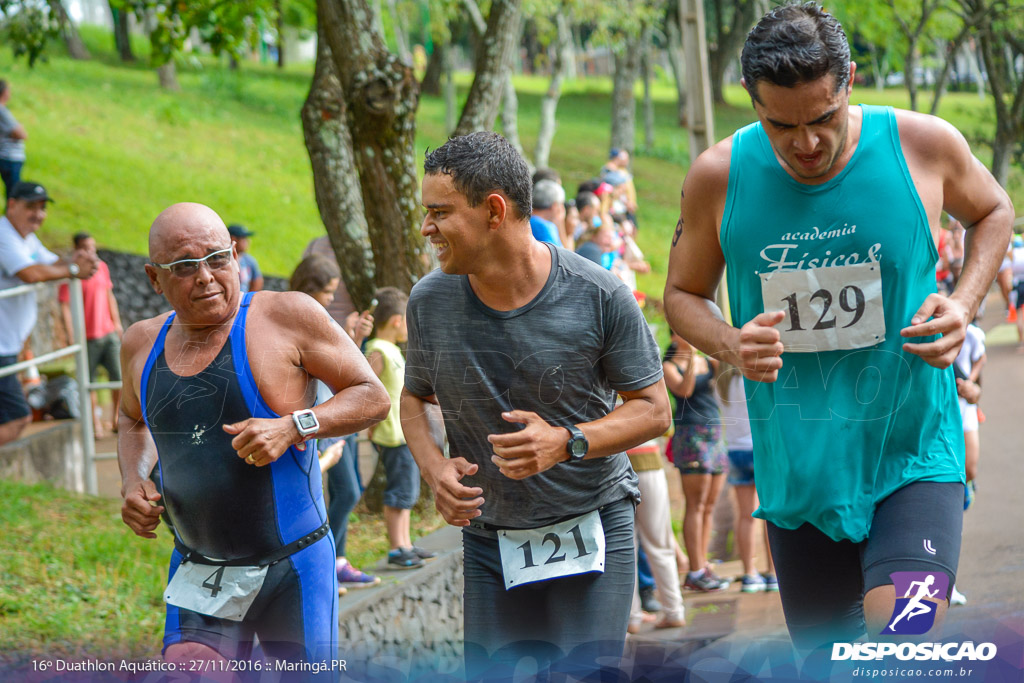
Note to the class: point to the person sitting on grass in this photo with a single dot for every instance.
(402, 475)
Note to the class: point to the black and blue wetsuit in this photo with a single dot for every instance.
(223, 508)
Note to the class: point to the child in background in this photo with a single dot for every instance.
(402, 475)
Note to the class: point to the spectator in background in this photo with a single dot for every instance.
(249, 276)
(589, 208)
(616, 173)
(319, 277)
(736, 424)
(24, 259)
(12, 143)
(548, 219)
(698, 451)
(402, 476)
(546, 174)
(103, 327)
(572, 222)
(357, 325)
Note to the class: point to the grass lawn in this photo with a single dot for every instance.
(77, 582)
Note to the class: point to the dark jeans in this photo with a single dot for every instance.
(10, 172)
(344, 490)
(568, 624)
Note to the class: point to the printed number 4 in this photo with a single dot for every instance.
(856, 307)
(214, 585)
(581, 548)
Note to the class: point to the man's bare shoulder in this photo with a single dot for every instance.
(288, 311)
(709, 173)
(929, 138)
(141, 335)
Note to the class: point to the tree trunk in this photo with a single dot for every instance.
(510, 114)
(627, 62)
(549, 103)
(279, 20)
(675, 61)
(449, 91)
(399, 29)
(493, 63)
(382, 95)
(728, 41)
(566, 45)
(338, 191)
(645, 70)
(1007, 94)
(122, 41)
(510, 102)
(76, 48)
(168, 76)
(431, 83)
(908, 74)
(947, 67)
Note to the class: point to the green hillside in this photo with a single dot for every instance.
(115, 150)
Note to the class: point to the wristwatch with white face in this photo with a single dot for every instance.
(306, 422)
(74, 269)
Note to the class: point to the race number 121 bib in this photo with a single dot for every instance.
(575, 546)
(827, 309)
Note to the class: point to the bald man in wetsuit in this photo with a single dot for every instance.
(214, 420)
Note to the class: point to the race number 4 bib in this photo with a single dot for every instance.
(575, 546)
(217, 591)
(827, 309)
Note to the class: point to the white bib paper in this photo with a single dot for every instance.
(827, 309)
(217, 591)
(575, 546)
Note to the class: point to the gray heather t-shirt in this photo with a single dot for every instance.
(563, 356)
(10, 149)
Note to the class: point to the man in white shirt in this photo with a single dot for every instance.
(24, 260)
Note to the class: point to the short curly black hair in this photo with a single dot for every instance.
(480, 163)
(795, 43)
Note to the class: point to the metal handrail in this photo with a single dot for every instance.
(79, 349)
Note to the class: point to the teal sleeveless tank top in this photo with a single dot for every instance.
(840, 429)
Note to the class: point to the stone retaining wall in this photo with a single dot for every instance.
(411, 625)
(53, 454)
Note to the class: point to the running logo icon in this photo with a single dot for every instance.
(914, 613)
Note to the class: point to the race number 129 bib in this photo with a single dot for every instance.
(215, 590)
(572, 547)
(827, 309)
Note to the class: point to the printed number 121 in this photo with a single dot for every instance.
(581, 548)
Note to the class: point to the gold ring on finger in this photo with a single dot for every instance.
(249, 459)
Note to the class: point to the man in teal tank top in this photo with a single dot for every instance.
(820, 214)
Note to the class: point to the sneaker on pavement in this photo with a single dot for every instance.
(704, 582)
(423, 554)
(752, 583)
(711, 572)
(648, 602)
(771, 584)
(404, 558)
(957, 598)
(350, 577)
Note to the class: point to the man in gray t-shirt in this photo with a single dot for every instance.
(12, 143)
(525, 346)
